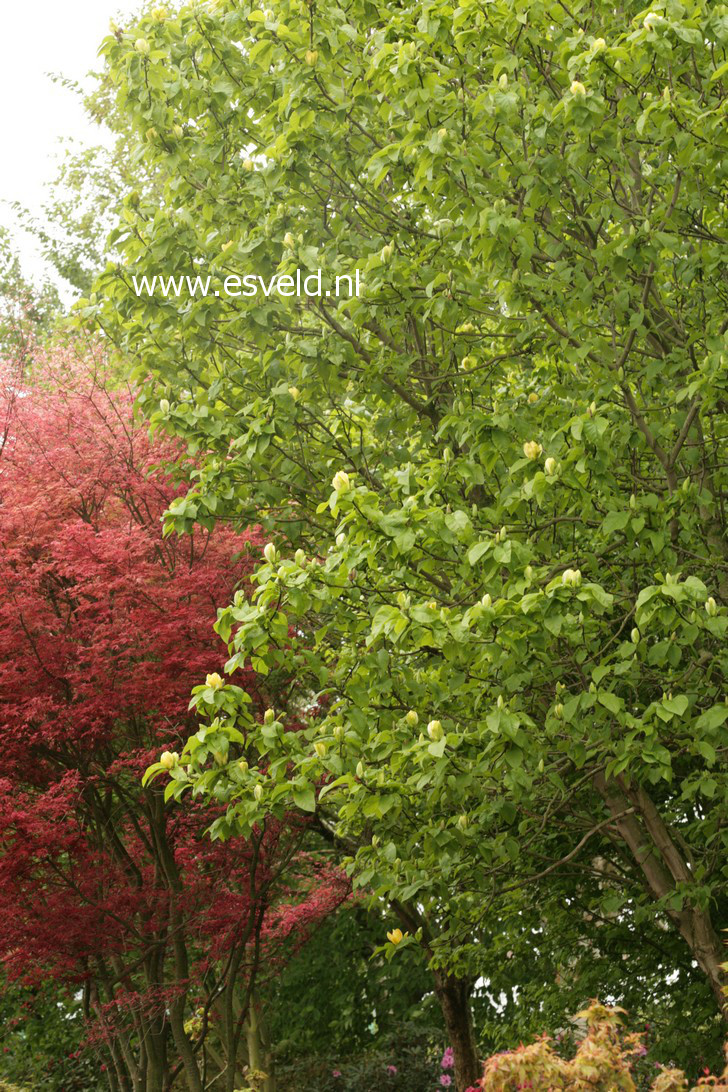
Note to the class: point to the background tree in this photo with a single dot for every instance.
(27, 313)
(504, 463)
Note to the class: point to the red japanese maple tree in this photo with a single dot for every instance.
(105, 625)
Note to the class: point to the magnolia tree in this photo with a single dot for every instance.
(104, 626)
(494, 482)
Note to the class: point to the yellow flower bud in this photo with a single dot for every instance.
(178, 131)
(294, 393)
(269, 553)
(311, 57)
(168, 759)
(386, 252)
(503, 81)
(711, 607)
(214, 681)
(248, 165)
(487, 601)
(635, 635)
(463, 822)
(360, 769)
(341, 481)
(412, 718)
(258, 792)
(300, 558)
(289, 241)
(550, 466)
(243, 766)
(141, 45)
(320, 748)
(434, 730)
(533, 397)
(532, 450)
(269, 716)
(578, 88)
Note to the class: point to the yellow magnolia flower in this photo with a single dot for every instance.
(168, 759)
(214, 681)
(434, 730)
(578, 88)
(340, 481)
(531, 449)
(396, 936)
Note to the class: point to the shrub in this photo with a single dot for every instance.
(604, 1062)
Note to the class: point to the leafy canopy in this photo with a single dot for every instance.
(504, 463)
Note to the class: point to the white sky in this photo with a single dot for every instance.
(42, 36)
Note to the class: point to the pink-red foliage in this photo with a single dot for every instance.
(105, 625)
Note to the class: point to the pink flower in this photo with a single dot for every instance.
(391, 1069)
(448, 1059)
(445, 1080)
(335, 1072)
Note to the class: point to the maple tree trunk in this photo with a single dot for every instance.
(156, 1064)
(453, 993)
(664, 866)
(259, 1055)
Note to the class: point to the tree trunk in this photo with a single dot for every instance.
(454, 996)
(663, 867)
(259, 1054)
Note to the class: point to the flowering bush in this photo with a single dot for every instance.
(603, 1062)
